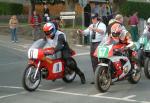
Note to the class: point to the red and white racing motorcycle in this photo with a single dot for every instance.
(115, 64)
(44, 66)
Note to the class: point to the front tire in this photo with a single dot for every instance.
(69, 75)
(147, 68)
(136, 75)
(28, 82)
(102, 78)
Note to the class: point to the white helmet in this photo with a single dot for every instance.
(111, 21)
(148, 20)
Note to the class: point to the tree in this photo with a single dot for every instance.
(117, 4)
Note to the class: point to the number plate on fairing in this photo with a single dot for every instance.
(57, 67)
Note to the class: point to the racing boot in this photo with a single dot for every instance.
(82, 77)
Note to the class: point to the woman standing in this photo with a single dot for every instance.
(13, 23)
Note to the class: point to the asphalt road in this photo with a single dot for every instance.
(13, 60)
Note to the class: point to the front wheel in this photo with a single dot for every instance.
(69, 75)
(147, 68)
(29, 82)
(136, 73)
(102, 78)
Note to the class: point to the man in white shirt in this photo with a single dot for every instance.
(97, 32)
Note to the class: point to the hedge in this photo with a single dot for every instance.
(129, 8)
(10, 8)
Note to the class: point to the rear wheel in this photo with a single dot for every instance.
(136, 73)
(147, 68)
(102, 78)
(69, 75)
(29, 82)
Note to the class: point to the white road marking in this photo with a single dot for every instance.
(144, 102)
(129, 97)
(120, 99)
(57, 89)
(61, 92)
(11, 87)
(81, 54)
(10, 95)
(99, 95)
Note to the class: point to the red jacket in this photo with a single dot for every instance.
(32, 21)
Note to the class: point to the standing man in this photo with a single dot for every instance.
(87, 14)
(133, 22)
(46, 13)
(96, 31)
(36, 23)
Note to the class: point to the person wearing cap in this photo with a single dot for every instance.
(96, 30)
(133, 22)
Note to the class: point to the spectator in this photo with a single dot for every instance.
(46, 13)
(104, 13)
(133, 22)
(58, 23)
(13, 24)
(95, 8)
(87, 15)
(97, 31)
(36, 24)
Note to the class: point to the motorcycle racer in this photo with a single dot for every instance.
(118, 32)
(58, 40)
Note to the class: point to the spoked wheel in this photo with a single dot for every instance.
(136, 75)
(69, 75)
(30, 82)
(147, 68)
(102, 78)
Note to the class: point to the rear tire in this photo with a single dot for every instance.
(147, 68)
(102, 78)
(69, 75)
(28, 81)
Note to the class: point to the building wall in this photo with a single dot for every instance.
(54, 9)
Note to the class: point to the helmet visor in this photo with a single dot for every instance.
(48, 32)
(116, 34)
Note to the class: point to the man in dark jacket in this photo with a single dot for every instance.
(58, 40)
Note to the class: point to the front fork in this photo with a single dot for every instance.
(38, 66)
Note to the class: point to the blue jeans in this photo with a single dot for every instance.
(14, 35)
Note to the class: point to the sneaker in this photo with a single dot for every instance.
(16, 41)
(12, 41)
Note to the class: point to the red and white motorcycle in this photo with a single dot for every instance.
(115, 64)
(44, 66)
